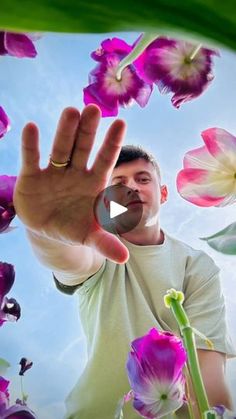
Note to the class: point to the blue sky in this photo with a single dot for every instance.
(49, 331)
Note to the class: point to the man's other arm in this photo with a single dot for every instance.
(212, 367)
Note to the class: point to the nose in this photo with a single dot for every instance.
(133, 185)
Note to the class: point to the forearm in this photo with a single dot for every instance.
(59, 256)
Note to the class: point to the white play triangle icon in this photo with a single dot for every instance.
(116, 209)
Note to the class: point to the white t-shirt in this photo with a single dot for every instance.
(122, 302)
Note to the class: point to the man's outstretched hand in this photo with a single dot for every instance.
(57, 203)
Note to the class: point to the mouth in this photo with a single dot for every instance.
(134, 203)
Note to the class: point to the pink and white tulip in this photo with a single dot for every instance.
(209, 174)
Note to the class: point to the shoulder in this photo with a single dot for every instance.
(195, 259)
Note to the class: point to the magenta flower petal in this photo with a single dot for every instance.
(155, 373)
(4, 394)
(91, 95)
(110, 46)
(4, 122)
(7, 211)
(168, 63)
(9, 307)
(10, 310)
(161, 354)
(18, 411)
(19, 45)
(7, 278)
(3, 50)
(108, 92)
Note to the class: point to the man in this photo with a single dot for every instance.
(121, 280)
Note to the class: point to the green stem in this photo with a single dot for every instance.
(21, 387)
(195, 51)
(147, 38)
(173, 301)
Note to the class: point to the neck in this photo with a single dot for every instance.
(145, 236)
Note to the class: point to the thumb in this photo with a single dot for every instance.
(109, 246)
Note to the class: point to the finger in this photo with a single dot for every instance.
(85, 137)
(109, 246)
(110, 149)
(65, 135)
(30, 149)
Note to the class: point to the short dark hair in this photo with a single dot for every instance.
(132, 152)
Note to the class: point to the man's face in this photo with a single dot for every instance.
(141, 176)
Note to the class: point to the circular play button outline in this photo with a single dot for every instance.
(118, 209)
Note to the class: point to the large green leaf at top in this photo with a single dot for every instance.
(224, 241)
(213, 20)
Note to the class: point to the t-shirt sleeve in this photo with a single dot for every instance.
(66, 289)
(87, 282)
(205, 304)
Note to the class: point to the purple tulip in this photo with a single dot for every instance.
(176, 66)
(4, 394)
(155, 374)
(9, 308)
(17, 44)
(223, 413)
(7, 211)
(4, 122)
(105, 90)
(25, 364)
(18, 411)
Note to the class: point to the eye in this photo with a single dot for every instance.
(118, 184)
(144, 180)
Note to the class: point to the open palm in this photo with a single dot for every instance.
(57, 203)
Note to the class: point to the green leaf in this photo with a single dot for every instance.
(214, 20)
(224, 241)
(3, 366)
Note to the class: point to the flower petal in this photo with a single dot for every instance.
(10, 310)
(176, 66)
(161, 354)
(7, 277)
(7, 185)
(18, 411)
(91, 96)
(195, 186)
(110, 46)
(4, 122)
(4, 394)
(19, 45)
(3, 50)
(26, 364)
(155, 373)
(222, 146)
(200, 158)
(7, 211)
(108, 92)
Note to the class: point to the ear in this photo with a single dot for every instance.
(164, 193)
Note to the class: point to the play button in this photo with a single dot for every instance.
(118, 209)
